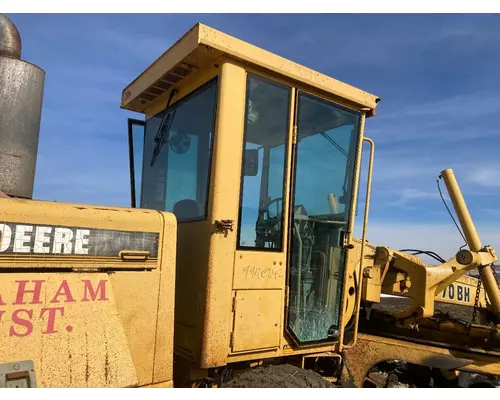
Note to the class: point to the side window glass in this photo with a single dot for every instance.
(266, 131)
(177, 179)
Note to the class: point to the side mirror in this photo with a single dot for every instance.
(251, 162)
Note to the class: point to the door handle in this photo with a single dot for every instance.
(134, 255)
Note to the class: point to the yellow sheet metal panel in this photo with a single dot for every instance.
(259, 270)
(175, 54)
(38, 234)
(202, 45)
(136, 295)
(188, 85)
(191, 266)
(190, 287)
(370, 350)
(162, 385)
(257, 319)
(163, 355)
(223, 201)
(46, 212)
(69, 325)
(255, 55)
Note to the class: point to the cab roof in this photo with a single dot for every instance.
(202, 46)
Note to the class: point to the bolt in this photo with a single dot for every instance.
(382, 253)
(368, 273)
(406, 284)
(16, 366)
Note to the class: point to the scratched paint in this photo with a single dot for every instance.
(253, 272)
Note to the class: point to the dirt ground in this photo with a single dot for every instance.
(395, 304)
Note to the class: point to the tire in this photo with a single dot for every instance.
(279, 376)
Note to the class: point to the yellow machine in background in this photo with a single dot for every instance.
(238, 250)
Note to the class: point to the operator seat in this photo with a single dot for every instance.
(187, 209)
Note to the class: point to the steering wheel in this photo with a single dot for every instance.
(268, 228)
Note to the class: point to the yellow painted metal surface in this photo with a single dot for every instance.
(259, 270)
(162, 385)
(189, 85)
(136, 297)
(257, 319)
(203, 306)
(202, 45)
(371, 350)
(191, 266)
(489, 279)
(163, 355)
(81, 215)
(249, 53)
(223, 203)
(400, 273)
(34, 223)
(351, 294)
(69, 325)
(463, 292)
(99, 320)
(190, 286)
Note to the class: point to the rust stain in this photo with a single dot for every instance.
(106, 362)
(86, 359)
(70, 367)
(70, 361)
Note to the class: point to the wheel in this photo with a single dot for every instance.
(279, 376)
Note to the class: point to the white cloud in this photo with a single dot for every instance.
(487, 176)
(465, 105)
(410, 195)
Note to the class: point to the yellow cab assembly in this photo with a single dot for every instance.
(236, 263)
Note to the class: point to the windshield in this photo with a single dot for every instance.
(176, 170)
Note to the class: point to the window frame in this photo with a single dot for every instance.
(193, 93)
(357, 143)
(131, 123)
(285, 197)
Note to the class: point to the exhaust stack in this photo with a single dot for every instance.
(21, 95)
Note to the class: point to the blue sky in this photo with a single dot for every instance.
(438, 77)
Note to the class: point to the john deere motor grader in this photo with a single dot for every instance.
(238, 248)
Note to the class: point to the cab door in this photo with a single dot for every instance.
(260, 259)
(325, 149)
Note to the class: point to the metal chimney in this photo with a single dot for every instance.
(21, 95)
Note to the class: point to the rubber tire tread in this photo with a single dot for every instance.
(279, 376)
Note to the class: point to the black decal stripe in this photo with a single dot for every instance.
(90, 242)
